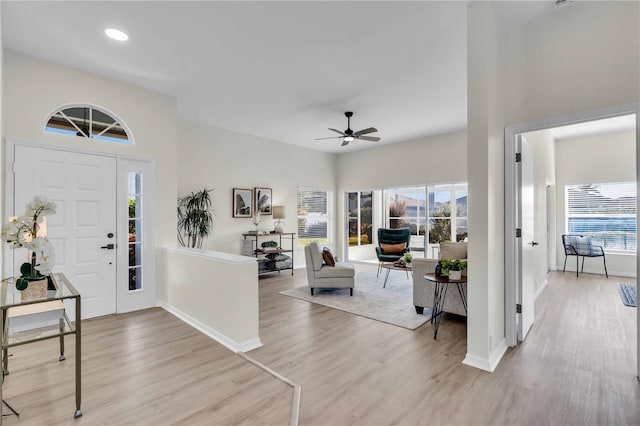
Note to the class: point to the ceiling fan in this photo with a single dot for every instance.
(349, 135)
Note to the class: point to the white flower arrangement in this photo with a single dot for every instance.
(23, 233)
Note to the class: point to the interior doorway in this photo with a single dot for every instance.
(554, 206)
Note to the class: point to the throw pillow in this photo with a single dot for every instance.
(393, 248)
(449, 250)
(328, 257)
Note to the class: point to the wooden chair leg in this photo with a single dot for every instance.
(565, 263)
(351, 291)
(577, 265)
(582, 269)
(605, 266)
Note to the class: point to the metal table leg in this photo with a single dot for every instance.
(440, 294)
(463, 296)
(386, 277)
(78, 413)
(5, 351)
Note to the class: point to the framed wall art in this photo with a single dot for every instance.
(263, 200)
(242, 202)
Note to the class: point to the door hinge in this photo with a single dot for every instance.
(13, 167)
(518, 157)
(518, 232)
(518, 308)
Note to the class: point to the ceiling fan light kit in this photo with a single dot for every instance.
(349, 135)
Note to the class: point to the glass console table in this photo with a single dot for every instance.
(10, 297)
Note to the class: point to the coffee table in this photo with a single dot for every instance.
(440, 294)
(392, 267)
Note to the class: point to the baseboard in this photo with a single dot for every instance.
(541, 289)
(600, 272)
(226, 341)
(487, 364)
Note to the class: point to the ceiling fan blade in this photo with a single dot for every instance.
(368, 138)
(365, 131)
(332, 137)
(345, 143)
(337, 131)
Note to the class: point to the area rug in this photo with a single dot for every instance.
(628, 294)
(393, 304)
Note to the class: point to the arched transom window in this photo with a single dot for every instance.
(88, 121)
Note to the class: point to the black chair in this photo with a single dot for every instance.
(392, 236)
(580, 245)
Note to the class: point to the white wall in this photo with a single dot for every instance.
(432, 160)
(577, 59)
(543, 149)
(485, 124)
(2, 144)
(35, 87)
(222, 159)
(215, 292)
(594, 159)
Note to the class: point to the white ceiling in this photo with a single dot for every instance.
(280, 70)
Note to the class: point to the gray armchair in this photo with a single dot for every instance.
(320, 275)
(423, 290)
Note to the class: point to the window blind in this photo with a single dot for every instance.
(313, 215)
(604, 211)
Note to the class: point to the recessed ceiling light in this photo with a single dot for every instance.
(116, 34)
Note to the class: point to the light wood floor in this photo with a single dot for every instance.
(577, 366)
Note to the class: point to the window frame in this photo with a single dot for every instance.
(358, 218)
(303, 241)
(596, 239)
(452, 188)
(116, 120)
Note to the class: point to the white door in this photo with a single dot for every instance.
(83, 186)
(527, 247)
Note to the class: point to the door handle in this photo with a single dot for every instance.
(108, 247)
(533, 243)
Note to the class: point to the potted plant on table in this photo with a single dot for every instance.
(24, 232)
(453, 268)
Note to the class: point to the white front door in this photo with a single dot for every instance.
(526, 216)
(83, 186)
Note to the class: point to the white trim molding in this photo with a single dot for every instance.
(485, 364)
(225, 341)
(511, 269)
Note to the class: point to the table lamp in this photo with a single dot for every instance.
(278, 213)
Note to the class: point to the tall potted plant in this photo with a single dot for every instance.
(195, 218)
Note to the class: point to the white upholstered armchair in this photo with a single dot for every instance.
(321, 275)
(423, 290)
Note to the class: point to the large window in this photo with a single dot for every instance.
(360, 211)
(406, 207)
(442, 207)
(314, 222)
(447, 213)
(604, 211)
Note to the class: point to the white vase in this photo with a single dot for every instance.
(455, 275)
(279, 227)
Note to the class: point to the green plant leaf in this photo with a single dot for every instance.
(22, 284)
